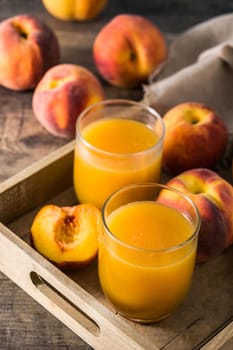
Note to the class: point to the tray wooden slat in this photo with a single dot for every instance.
(36, 183)
(76, 298)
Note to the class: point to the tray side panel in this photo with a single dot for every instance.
(36, 184)
(64, 298)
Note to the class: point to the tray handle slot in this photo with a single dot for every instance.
(64, 304)
(64, 298)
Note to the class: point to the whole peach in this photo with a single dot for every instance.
(195, 137)
(28, 47)
(62, 94)
(74, 10)
(213, 197)
(128, 49)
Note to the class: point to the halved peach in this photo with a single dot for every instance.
(67, 236)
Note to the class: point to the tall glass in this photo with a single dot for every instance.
(147, 250)
(118, 142)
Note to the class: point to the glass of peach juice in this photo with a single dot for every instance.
(118, 142)
(147, 250)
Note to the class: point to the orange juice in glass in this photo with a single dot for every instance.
(147, 250)
(118, 142)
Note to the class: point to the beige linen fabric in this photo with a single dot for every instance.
(199, 68)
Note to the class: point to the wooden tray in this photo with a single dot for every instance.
(204, 321)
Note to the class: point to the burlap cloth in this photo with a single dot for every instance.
(199, 68)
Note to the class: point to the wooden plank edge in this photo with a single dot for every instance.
(37, 183)
(64, 298)
(218, 338)
(37, 166)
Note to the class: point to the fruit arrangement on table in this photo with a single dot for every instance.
(195, 141)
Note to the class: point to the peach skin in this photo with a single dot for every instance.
(128, 49)
(28, 48)
(62, 94)
(213, 197)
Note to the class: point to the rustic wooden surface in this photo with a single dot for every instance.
(23, 323)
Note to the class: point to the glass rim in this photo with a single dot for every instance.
(146, 250)
(95, 149)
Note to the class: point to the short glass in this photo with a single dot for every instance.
(147, 250)
(118, 142)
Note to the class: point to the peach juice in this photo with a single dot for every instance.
(118, 143)
(147, 254)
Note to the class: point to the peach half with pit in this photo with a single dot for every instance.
(67, 236)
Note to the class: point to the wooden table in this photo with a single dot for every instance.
(23, 323)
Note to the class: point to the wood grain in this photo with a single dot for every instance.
(24, 324)
(200, 322)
